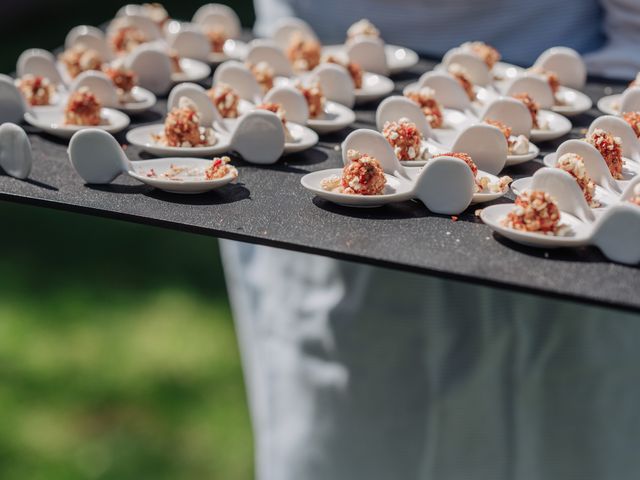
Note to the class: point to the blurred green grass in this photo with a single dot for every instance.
(118, 358)
(117, 353)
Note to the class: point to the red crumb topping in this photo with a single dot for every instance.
(182, 127)
(314, 97)
(531, 104)
(487, 53)
(217, 36)
(225, 99)
(551, 77)
(303, 53)
(275, 108)
(633, 119)
(156, 12)
(264, 75)
(37, 90)
(574, 165)
(610, 148)
(535, 211)
(429, 105)
(219, 168)
(80, 59)
(83, 108)
(175, 61)
(126, 39)
(363, 175)
(462, 76)
(122, 78)
(462, 156)
(354, 69)
(405, 138)
(505, 129)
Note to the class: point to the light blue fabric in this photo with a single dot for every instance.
(355, 372)
(609, 30)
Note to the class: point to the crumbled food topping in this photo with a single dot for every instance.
(126, 38)
(535, 211)
(362, 28)
(362, 176)
(425, 97)
(83, 108)
(156, 12)
(225, 99)
(173, 173)
(574, 165)
(517, 145)
(504, 128)
(304, 53)
(220, 168)
(635, 199)
(36, 90)
(331, 183)
(123, 78)
(610, 148)
(217, 36)
(264, 75)
(314, 96)
(633, 119)
(482, 184)
(174, 58)
(531, 104)
(274, 108)
(80, 59)
(281, 113)
(487, 53)
(182, 127)
(462, 76)
(550, 77)
(465, 157)
(354, 69)
(152, 173)
(405, 138)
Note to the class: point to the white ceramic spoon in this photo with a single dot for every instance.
(538, 88)
(51, 121)
(102, 86)
(604, 197)
(98, 159)
(16, 156)
(301, 138)
(615, 232)
(192, 71)
(398, 59)
(574, 102)
(334, 118)
(445, 185)
(484, 143)
(12, 103)
(558, 126)
(374, 87)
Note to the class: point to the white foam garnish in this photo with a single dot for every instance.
(186, 102)
(363, 28)
(575, 164)
(427, 92)
(519, 145)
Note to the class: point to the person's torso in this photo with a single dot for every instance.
(520, 29)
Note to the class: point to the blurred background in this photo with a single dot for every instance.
(116, 362)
